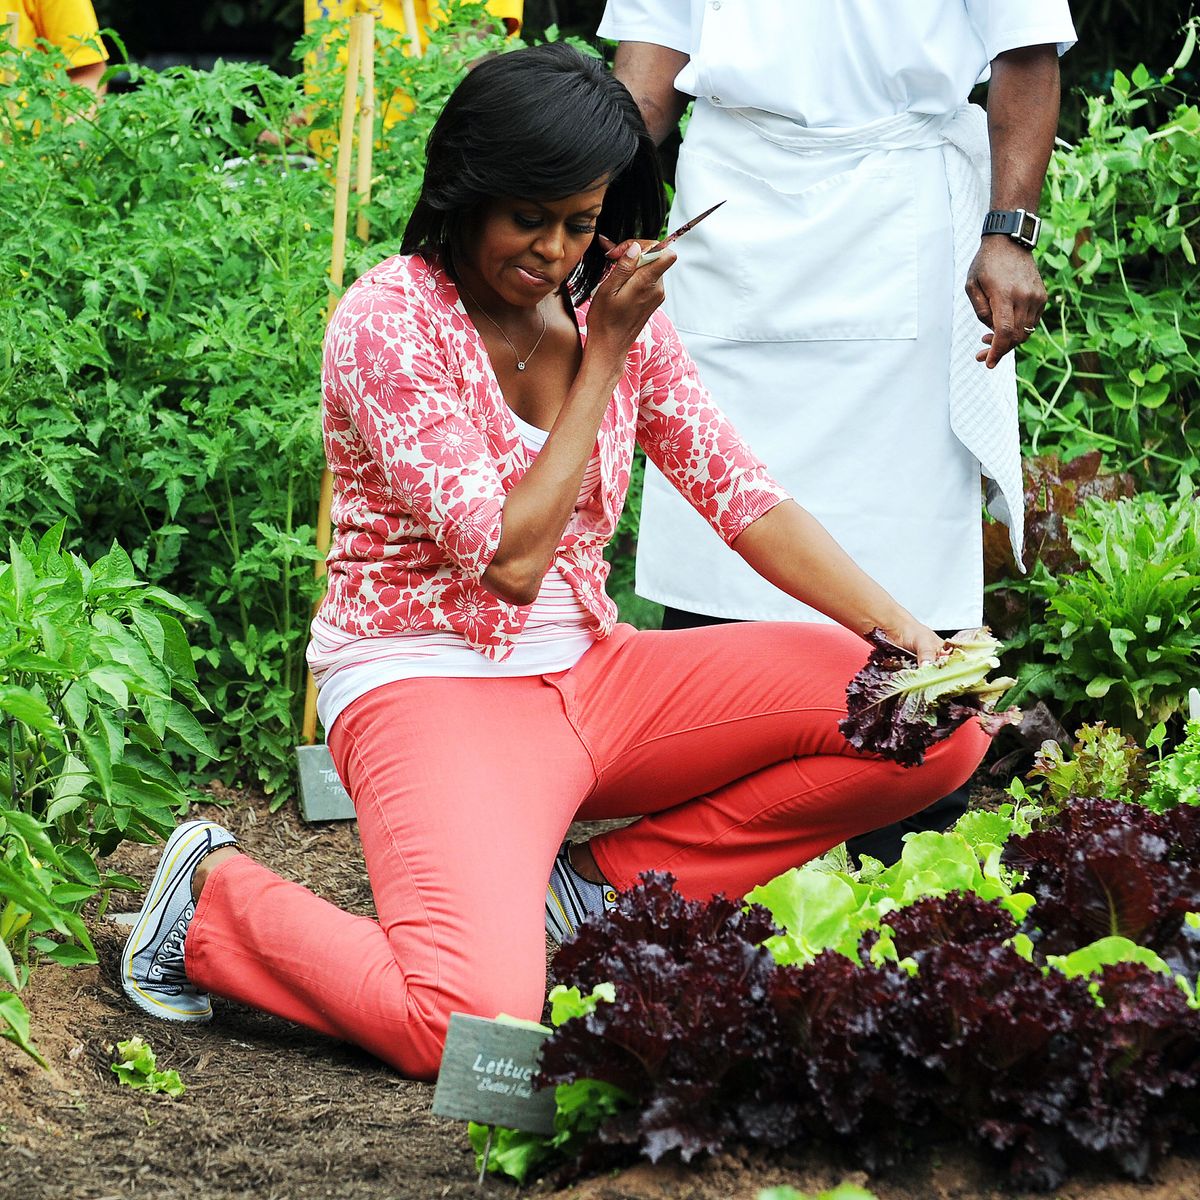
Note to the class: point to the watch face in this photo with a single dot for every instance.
(1029, 226)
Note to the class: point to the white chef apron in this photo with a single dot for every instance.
(818, 306)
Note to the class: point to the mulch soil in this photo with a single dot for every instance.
(274, 1112)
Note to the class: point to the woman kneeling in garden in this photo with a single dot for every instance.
(483, 393)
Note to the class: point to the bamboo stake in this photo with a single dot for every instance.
(410, 28)
(337, 268)
(366, 126)
(341, 194)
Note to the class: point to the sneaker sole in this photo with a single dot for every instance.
(181, 843)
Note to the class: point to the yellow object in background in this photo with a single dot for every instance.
(68, 24)
(390, 13)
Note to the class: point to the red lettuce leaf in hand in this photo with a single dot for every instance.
(897, 709)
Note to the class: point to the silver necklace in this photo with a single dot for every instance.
(516, 354)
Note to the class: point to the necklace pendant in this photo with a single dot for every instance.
(520, 365)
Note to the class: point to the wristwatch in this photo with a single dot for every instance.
(1020, 225)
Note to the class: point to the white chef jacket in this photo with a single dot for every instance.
(838, 62)
(817, 303)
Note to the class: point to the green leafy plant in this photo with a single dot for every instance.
(96, 681)
(1115, 366)
(1106, 764)
(1174, 778)
(174, 276)
(1053, 491)
(97, 685)
(820, 907)
(1103, 764)
(1120, 640)
(137, 1068)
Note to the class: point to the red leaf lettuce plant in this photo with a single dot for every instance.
(692, 1031)
(947, 1020)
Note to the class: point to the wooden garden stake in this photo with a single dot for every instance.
(321, 795)
(337, 268)
(341, 189)
(410, 28)
(366, 125)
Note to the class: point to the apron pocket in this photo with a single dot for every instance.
(832, 260)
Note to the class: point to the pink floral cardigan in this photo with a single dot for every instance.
(424, 449)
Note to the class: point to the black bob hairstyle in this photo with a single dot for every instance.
(538, 124)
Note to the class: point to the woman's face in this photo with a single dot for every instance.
(520, 251)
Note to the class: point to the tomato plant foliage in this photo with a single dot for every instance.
(164, 277)
(97, 693)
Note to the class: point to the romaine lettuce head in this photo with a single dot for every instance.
(897, 709)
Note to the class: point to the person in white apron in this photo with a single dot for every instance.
(824, 303)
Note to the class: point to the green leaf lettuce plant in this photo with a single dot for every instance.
(137, 1068)
(1120, 638)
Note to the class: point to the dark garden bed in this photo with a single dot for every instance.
(272, 1111)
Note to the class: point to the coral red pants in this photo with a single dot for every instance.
(723, 740)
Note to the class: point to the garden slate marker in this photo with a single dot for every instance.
(487, 1072)
(322, 795)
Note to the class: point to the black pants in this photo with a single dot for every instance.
(884, 844)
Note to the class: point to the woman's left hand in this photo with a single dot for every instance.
(918, 638)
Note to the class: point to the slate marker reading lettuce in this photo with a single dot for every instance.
(897, 709)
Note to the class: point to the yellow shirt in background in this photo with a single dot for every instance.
(68, 24)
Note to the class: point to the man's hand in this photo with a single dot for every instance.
(1007, 294)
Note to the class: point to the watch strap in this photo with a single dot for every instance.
(1018, 224)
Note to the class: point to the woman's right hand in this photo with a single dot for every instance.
(625, 298)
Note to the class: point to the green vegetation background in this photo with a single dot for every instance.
(163, 283)
(1112, 32)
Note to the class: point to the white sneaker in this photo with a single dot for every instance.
(152, 971)
(571, 899)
